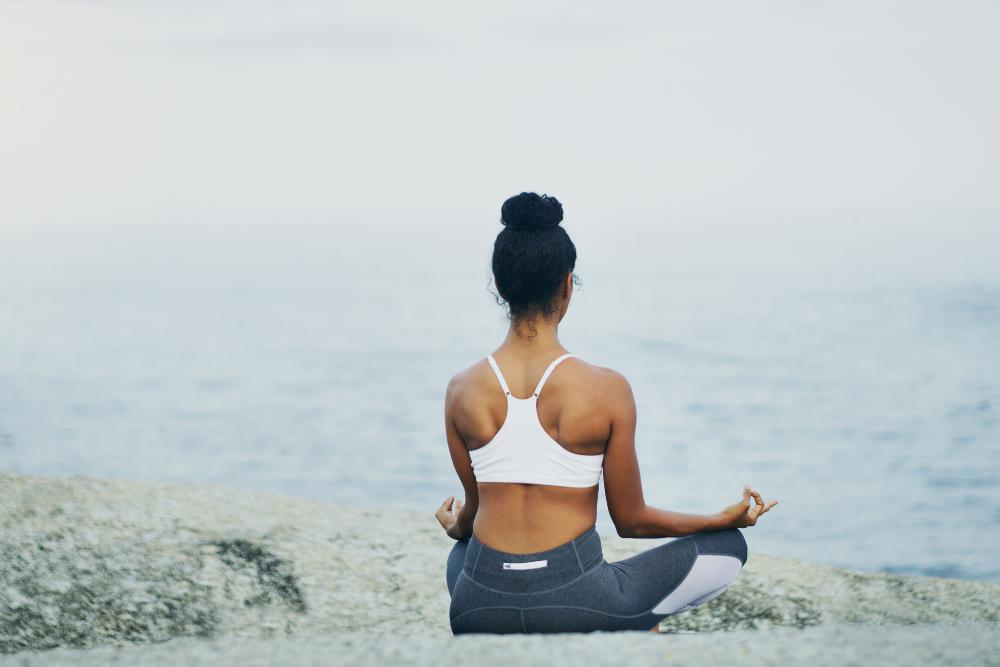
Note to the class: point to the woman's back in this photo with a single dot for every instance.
(556, 497)
(531, 430)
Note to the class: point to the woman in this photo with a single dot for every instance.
(531, 428)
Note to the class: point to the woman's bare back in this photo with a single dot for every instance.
(524, 518)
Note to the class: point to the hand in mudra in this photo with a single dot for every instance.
(743, 513)
(446, 515)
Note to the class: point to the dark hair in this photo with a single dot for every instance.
(531, 255)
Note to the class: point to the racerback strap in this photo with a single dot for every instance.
(541, 383)
(496, 370)
(548, 372)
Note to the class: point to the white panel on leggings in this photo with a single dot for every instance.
(711, 572)
(706, 598)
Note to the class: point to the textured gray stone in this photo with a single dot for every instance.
(963, 645)
(86, 563)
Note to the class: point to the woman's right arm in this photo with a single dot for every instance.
(623, 485)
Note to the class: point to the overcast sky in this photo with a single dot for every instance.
(224, 113)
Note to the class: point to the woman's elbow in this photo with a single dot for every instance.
(627, 527)
(624, 531)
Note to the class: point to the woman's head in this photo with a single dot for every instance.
(533, 258)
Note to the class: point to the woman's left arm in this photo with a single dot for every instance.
(460, 527)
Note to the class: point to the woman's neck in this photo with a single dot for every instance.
(537, 336)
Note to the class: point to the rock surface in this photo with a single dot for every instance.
(963, 645)
(89, 563)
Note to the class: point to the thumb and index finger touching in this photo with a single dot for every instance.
(446, 505)
(759, 506)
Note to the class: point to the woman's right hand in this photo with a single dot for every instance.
(743, 514)
(447, 514)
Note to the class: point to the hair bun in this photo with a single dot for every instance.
(531, 211)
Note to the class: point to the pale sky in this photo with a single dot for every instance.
(228, 113)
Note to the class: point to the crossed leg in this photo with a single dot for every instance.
(667, 579)
(712, 560)
(709, 576)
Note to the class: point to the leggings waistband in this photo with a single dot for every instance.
(536, 571)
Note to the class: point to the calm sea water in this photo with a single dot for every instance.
(854, 375)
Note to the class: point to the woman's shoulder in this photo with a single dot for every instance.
(602, 378)
(609, 381)
(605, 377)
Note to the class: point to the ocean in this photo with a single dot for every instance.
(849, 368)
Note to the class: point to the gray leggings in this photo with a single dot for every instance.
(571, 588)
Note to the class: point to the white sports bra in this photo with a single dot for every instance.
(522, 451)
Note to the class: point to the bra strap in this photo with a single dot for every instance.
(496, 370)
(548, 372)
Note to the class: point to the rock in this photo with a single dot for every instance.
(89, 563)
(882, 645)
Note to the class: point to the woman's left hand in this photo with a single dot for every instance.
(446, 515)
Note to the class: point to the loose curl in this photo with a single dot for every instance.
(531, 256)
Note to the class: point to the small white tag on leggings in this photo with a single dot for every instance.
(530, 565)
